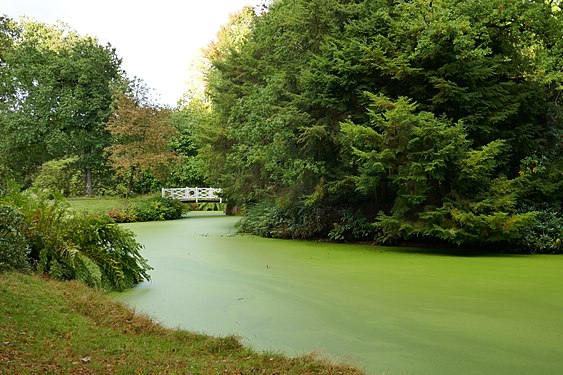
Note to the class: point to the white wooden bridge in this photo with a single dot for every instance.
(196, 194)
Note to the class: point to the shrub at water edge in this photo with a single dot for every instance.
(544, 235)
(156, 209)
(65, 245)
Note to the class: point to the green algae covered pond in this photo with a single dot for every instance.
(385, 310)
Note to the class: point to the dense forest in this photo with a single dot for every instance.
(422, 121)
(385, 121)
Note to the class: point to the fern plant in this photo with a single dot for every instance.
(67, 245)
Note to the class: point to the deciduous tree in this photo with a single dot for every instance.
(141, 136)
(58, 101)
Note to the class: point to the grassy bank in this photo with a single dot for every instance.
(64, 327)
(102, 205)
(105, 204)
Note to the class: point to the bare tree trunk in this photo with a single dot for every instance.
(131, 179)
(88, 181)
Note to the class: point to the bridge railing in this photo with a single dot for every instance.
(196, 194)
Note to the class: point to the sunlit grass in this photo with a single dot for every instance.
(104, 204)
(100, 205)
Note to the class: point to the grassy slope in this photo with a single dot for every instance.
(64, 327)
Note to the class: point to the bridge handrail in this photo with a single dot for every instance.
(189, 194)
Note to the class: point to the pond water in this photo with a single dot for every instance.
(385, 310)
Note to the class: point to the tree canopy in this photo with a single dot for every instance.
(57, 97)
(141, 135)
(438, 120)
(68, 106)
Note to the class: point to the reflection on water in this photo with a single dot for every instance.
(414, 311)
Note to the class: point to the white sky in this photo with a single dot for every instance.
(157, 40)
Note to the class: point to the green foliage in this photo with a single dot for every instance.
(542, 179)
(441, 188)
(66, 245)
(210, 206)
(352, 226)
(410, 151)
(146, 183)
(262, 219)
(190, 122)
(122, 215)
(60, 175)
(544, 233)
(13, 241)
(255, 140)
(439, 118)
(106, 252)
(158, 208)
(304, 222)
(311, 221)
(153, 209)
(57, 99)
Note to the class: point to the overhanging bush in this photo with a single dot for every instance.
(66, 245)
(267, 219)
(545, 232)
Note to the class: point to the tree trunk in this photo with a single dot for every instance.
(131, 179)
(88, 181)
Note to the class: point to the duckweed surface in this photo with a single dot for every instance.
(386, 310)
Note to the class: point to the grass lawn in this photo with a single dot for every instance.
(49, 326)
(104, 204)
(101, 205)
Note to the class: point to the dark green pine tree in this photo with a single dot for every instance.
(450, 113)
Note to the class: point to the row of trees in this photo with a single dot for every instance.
(395, 120)
(72, 121)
